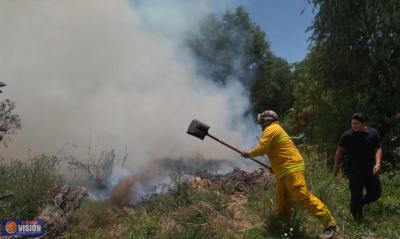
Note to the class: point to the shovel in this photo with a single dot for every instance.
(200, 130)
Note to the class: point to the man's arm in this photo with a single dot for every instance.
(262, 146)
(378, 159)
(338, 159)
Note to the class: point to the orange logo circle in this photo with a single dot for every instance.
(11, 227)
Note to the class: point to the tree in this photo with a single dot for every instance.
(273, 86)
(228, 47)
(10, 122)
(356, 66)
(233, 48)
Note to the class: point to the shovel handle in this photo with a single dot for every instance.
(240, 152)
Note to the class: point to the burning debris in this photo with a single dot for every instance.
(239, 179)
(106, 179)
(195, 166)
(128, 189)
(156, 177)
(226, 208)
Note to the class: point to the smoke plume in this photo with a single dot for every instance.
(113, 73)
(102, 72)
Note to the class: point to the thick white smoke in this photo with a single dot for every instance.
(108, 73)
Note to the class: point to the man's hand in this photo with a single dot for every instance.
(245, 154)
(335, 170)
(377, 169)
(338, 157)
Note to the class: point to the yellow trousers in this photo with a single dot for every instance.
(292, 187)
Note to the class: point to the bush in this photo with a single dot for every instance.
(285, 227)
(34, 182)
(142, 226)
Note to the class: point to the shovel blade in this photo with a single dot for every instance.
(198, 129)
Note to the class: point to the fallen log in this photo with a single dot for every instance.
(57, 213)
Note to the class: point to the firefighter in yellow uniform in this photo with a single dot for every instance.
(288, 167)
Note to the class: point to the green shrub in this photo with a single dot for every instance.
(91, 215)
(142, 225)
(254, 233)
(289, 227)
(34, 182)
(181, 192)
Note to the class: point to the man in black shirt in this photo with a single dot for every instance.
(361, 144)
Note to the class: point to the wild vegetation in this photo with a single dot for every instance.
(33, 182)
(219, 211)
(353, 65)
(215, 210)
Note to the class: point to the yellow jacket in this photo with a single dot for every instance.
(282, 152)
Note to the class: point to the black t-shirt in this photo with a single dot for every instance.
(360, 148)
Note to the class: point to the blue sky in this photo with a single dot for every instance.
(284, 21)
(284, 25)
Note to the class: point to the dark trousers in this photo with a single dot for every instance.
(357, 182)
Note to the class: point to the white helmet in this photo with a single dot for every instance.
(267, 117)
